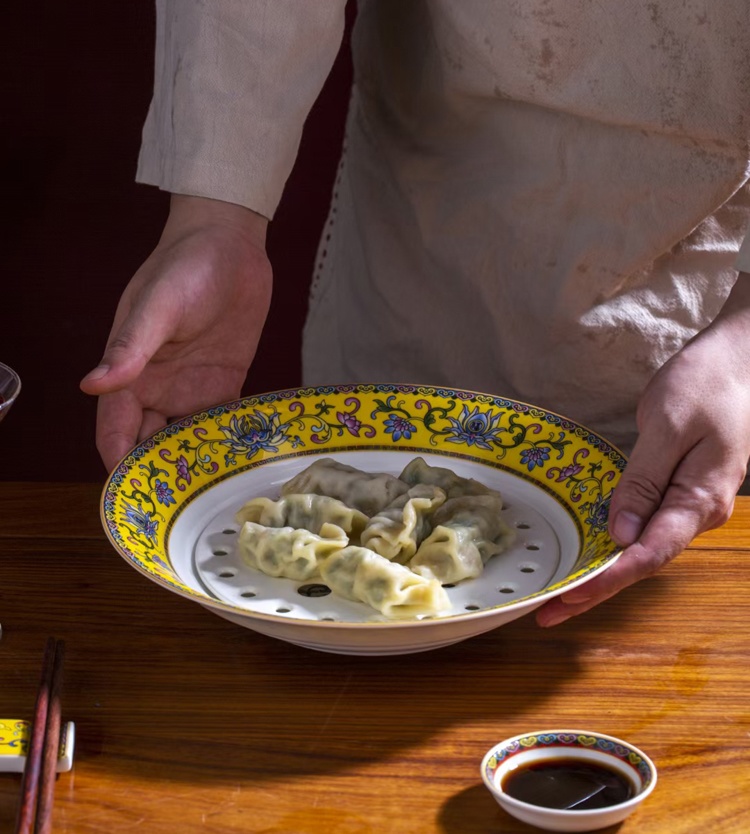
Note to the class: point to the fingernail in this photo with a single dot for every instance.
(627, 527)
(97, 373)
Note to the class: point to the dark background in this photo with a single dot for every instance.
(76, 82)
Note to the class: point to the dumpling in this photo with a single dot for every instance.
(396, 531)
(308, 511)
(467, 532)
(284, 551)
(360, 574)
(418, 471)
(365, 491)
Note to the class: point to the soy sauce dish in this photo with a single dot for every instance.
(568, 780)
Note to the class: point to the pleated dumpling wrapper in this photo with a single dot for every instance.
(418, 471)
(308, 511)
(467, 532)
(368, 492)
(289, 552)
(396, 531)
(360, 574)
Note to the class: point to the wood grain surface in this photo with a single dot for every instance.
(188, 723)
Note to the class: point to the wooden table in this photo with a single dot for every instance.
(188, 723)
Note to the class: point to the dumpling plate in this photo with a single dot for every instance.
(168, 507)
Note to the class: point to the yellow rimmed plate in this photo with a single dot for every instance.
(168, 508)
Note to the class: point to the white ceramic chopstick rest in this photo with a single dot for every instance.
(15, 735)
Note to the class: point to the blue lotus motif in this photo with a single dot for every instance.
(599, 513)
(164, 493)
(475, 428)
(535, 456)
(141, 520)
(399, 427)
(252, 433)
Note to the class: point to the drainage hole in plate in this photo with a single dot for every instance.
(527, 568)
(283, 610)
(229, 532)
(314, 589)
(532, 547)
(248, 594)
(449, 585)
(522, 525)
(506, 589)
(472, 607)
(227, 574)
(220, 552)
(328, 619)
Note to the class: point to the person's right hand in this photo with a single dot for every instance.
(187, 325)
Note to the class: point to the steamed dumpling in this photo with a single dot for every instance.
(396, 531)
(307, 511)
(284, 551)
(418, 471)
(360, 574)
(365, 491)
(467, 532)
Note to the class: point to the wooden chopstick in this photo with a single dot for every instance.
(51, 748)
(38, 782)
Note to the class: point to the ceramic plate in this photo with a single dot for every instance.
(169, 507)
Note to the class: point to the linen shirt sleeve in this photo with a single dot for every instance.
(234, 81)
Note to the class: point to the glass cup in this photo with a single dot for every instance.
(10, 386)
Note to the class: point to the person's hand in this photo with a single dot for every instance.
(688, 463)
(187, 325)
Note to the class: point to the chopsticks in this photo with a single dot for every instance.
(38, 783)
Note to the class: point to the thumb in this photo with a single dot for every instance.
(129, 349)
(642, 486)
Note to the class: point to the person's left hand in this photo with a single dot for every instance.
(187, 325)
(688, 462)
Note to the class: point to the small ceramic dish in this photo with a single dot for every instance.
(565, 769)
(169, 507)
(10, 387)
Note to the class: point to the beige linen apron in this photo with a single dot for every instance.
(541, 199)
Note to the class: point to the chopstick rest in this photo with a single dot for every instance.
(15, 736)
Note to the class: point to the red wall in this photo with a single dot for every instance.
(76, 83)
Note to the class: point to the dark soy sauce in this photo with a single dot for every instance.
(567, 784)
